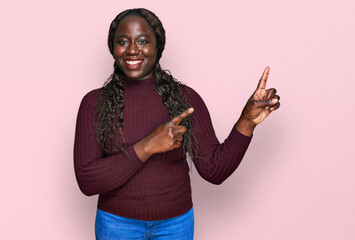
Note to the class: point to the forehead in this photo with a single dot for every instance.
(133, 24)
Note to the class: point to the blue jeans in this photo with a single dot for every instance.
(112, 227)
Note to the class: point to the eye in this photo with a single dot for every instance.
(123, 42)
(143, 42)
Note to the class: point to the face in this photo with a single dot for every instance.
(135, 47)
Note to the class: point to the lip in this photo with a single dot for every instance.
(133, 64)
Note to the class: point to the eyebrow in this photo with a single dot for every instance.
(143, 35)
(122, 35)
(125, 36)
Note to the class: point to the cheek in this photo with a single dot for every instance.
(149, 52)
(118, 51)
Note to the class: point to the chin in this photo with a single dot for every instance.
(135, 77)
(138, 76)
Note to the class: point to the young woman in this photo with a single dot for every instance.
(133, 136)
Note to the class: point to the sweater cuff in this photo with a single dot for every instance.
(133, 157)
(235, 135)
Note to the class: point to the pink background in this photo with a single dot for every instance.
(297, 178)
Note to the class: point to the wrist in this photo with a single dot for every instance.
(143, 150)
(245, 127)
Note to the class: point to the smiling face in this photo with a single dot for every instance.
(135, 48)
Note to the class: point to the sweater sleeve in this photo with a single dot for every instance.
(96, 173)
(214, 161)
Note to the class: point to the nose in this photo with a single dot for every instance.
(132, 49)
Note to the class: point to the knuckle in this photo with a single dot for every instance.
(181, 128)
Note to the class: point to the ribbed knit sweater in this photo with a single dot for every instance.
(159, 188)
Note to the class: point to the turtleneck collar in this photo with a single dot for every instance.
(140, 85)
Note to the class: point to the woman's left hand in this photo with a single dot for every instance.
(258, 106)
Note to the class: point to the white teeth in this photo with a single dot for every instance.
(133, 62)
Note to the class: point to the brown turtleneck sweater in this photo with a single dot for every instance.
(160, 187)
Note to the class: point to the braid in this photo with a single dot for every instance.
(109, 104)
(169, 90)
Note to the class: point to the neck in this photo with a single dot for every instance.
(140, 84)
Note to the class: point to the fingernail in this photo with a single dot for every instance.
(191, 110)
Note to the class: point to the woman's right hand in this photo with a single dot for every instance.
(164, 138)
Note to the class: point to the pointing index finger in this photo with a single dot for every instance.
(263, 79)
(176, 120)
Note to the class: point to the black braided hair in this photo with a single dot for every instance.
(109, 111)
